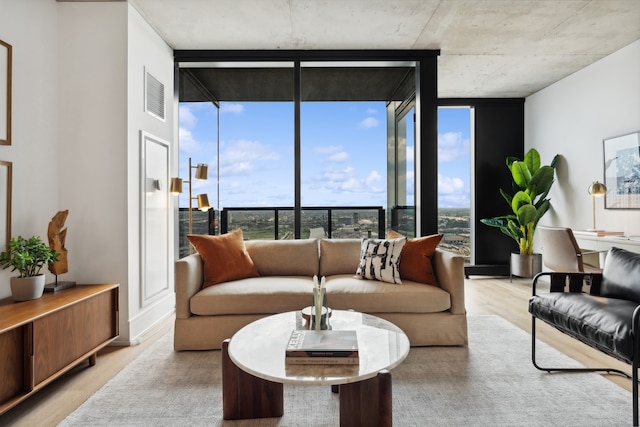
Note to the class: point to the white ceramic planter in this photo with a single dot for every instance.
(27, 288)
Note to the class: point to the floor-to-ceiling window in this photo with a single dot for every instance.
(454, 178)
(304, 135)
(344, 163)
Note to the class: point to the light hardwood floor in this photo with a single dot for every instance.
(484, 295)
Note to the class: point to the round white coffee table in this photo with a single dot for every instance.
(254, 368)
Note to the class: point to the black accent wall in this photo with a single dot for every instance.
(499, 132)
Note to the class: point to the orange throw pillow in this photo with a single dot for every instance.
(225, 257)
(415, 260)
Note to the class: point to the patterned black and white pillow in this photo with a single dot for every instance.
(380, 260)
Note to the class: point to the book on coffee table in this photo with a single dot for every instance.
(322, 347)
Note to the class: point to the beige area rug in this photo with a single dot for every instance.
(489, 383)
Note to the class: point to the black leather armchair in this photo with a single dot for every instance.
(605, 317)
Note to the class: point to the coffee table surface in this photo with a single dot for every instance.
(259, 349)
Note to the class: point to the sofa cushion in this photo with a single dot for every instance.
(339, 256)
(278, 294)
(224, 257)
(284, 257)
(261, 295)
(345, 292)
(621, 275)
(415, 260)
(380, 259)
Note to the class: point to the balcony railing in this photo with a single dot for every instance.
(332, 222)
(277, 223)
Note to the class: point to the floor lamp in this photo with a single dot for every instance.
(203, 199)
(596, 189)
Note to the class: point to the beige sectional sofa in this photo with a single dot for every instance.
(429, 315)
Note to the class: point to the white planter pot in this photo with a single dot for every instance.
(27, 288)
(525, 265)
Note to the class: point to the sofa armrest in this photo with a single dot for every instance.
(189, 278)
(449, 271)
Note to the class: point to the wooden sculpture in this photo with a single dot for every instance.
(57, 235)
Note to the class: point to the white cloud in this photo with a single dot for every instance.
(447, 185)
(368, 123)
(188, 145)
(411, 153)
(188, 120)
(374, 182)
(346, 180)
(231, 108)
(340, 157)
(371, 111)
(452, 146)
(240, 157)
(333, 153)
(452, 192)
(186, 117)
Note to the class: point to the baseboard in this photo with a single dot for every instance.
(487, 270)
(152, 316)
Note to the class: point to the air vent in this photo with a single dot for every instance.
(154, 97)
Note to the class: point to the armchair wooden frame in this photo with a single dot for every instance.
(574, 282)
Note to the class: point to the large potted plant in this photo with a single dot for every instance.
(27, 256)
(531, 183)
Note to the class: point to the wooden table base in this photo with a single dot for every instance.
(367, 403)
(363, 403)
(245, 396)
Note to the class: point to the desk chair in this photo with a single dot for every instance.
(560, 251)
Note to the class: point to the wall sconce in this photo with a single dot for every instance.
(203, 200)
(596, 189)
(152, 185)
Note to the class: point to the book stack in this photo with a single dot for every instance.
(324, 347)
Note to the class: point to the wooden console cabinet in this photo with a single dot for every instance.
(41, 339)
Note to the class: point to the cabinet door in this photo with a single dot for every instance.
(71, 333)
(12, 366)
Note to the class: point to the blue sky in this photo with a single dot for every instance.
(343, 154)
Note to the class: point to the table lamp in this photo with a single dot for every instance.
(596, 189)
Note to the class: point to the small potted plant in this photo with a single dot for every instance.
(27, 256)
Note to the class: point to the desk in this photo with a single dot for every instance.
(603, 244)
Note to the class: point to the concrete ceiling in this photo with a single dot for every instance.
(489, 48)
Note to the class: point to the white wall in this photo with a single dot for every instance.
(104, 49)
(150, 226)
(571, 118)
(31, 28)
(78, 92)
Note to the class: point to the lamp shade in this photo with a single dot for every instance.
(203, 202)
(202, 171)
(176, 185)
(597, 189)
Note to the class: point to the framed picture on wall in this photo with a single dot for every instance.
(622, 171)
(5, 93)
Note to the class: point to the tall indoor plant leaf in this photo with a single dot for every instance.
(531, 184)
